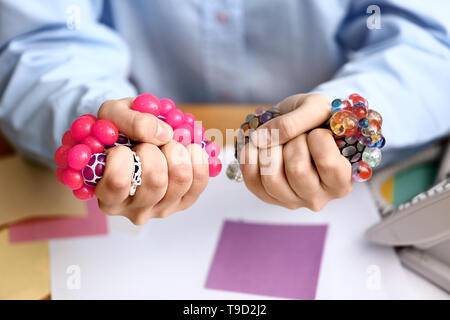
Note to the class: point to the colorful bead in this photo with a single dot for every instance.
(60, 156)
(166, 105)
(78, 156)
(82, 127)
(336, 105)
(84, 193)
(198, 134)
(183, 134)
(212, 149)
(147, 103)
(68, 140)
(363, 123)
(254, 123)
(215, 166)
(105, 131)
(372, 114)
(259, 110)
(266, 116)
(372, 156)
(94, 144)
(189, 118)
(249, 117)
(361, 171)
(174, 118)
(72, 178)
(379, 144)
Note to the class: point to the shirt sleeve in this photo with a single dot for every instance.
(402, 69)
(57, 62)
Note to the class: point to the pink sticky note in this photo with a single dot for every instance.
(271, 260)
(94, 223)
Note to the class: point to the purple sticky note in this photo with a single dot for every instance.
(94, 223)
(271, 260)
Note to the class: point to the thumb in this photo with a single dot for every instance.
(141, 127)
(299, 113)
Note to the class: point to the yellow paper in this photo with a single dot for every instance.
(29, 191)
(24, 269)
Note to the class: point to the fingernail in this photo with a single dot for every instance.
(164, 132)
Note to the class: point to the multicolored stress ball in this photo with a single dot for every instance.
(356, 129)
(81, 159)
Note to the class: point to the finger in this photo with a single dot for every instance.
(200, 173)
(301, 174)
(154, 177)
(300, 113)
(180, 177)
(333, 168)
(136, 125)
(114, 188)
(251, 174)
(274, 179)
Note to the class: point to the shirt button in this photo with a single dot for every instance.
(222, 17)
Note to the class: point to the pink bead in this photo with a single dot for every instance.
(167, 105)
(61, 156)
(78, 156)
(183, 134)
(189, 118)
(82, 127)
(89, 116)
(215, 166)
(68, 140)
(174, 118)
(59, 175)
(212, 149)
(105, 131)
(72, 179)
(93, 144)
(199, 133)
(84, 193)
(147, 103)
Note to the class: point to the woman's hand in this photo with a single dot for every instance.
(286, 165)
(173, 176)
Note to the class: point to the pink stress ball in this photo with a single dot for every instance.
(78, 156)
(72, 179)
(94, 144)
(105, 131)
(167, 105)
(61, 156)
(147, 103)
(183, 134)
(215, 166)
(82, 127)
(212, 149)
(189, 118)
(84, 193)
(174, 118)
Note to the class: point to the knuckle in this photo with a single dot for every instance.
(140, 126)
(287, 126)
(297, 170)
(327, 165)
(316, 205)
(104, 107)
(181, 174)
(117, 183)
(344, 190)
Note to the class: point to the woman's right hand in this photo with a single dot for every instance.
(173, 176)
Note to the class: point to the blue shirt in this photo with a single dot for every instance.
(60, 59)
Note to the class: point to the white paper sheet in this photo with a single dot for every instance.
(170, 258)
